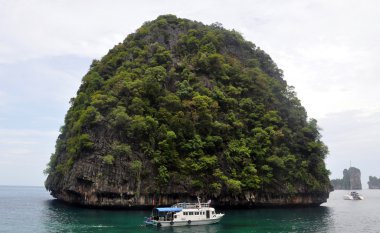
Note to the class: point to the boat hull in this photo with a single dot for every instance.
(348, 197)
(353, 196)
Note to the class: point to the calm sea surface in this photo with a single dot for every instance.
(31, 209)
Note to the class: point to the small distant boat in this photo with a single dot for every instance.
(353, 196)
(184, 214)
(348, 197)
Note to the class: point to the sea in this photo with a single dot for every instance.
(32, 209)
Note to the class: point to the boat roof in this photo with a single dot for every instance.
(169, 209)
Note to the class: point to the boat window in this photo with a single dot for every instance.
(196, 213)
(175, 216)
(213, 212)
(184, 213)
(190, 213)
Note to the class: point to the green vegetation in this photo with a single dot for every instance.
(202, 106)
(108, 159)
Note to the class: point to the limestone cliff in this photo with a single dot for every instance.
(374, 182)
(351, 180)
(181, 109)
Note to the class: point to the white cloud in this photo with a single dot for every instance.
(5, 134)
(2, 98)
(24, 154)
(32, 29)
(36, 92)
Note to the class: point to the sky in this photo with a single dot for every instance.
(329, 51)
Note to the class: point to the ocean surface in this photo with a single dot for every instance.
(31, 209)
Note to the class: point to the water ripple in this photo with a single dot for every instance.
(31, 209)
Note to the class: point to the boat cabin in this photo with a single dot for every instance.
(165, 213)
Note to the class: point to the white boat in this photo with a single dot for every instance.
(348, 197)
(184, 214)
(353, 196)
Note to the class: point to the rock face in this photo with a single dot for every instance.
(374, 182)
(351, 180)
(180, 110)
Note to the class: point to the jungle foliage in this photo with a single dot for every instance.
(202, 105)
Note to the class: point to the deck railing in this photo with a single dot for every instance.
(191, 205)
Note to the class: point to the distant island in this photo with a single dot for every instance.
(180, 109)
(374, 182)
(351, 180)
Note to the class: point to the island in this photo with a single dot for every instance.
(180, 109)
(374, 182)
(351, 180)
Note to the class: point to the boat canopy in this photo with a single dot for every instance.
(168, 209)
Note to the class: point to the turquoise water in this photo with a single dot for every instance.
(31, 209)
